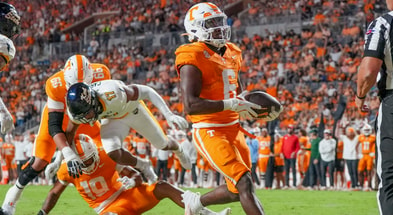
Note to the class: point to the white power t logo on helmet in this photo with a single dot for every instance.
(77, 69)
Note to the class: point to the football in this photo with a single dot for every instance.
(266, 101)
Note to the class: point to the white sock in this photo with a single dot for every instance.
(12, 196)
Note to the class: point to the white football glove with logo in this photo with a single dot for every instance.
(174, 120)
(52, 168)
(239, 105)
(127, 182)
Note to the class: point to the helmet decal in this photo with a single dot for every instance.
(205, 22)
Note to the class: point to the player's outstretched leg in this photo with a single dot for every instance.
(14, 193)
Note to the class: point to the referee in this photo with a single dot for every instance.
(377, 62)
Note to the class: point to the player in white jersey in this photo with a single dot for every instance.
(120, 108)
(9, 28)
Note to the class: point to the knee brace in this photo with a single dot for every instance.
(28, 173)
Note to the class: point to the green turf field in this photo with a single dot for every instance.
(275, 202)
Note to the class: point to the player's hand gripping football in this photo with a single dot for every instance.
(74, 163)
(243, 107)
(7, 123)
(273, 114)
(174, 120)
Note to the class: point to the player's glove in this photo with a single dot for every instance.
(74, 164)
(7, 123)
(51, 170)
(127, 182)
(244, 108)
(174, 120)
(273, 114)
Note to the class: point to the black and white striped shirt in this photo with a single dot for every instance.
(378, 39)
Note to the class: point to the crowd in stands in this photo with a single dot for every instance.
(311, 72)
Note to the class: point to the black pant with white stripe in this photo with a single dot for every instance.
(384, 151)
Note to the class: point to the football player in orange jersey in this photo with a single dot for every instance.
(365, 166)
(264, 153)
(8, 153)
(53, 123)
(303, 157)
(111, 188)
(212, 96)
(278, 161)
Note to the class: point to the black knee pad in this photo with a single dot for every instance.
(28, 173)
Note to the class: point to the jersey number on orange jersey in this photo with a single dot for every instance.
(95, 187)
(228, 77)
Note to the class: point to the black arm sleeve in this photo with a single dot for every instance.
(55, 123)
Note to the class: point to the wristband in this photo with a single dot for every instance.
(227, 104)
(363, 97)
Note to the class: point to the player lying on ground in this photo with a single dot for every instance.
(107, 192)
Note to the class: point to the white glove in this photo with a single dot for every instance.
(239, 105)
(51, 170)
(7, 122)
(127, 182)
(173, 119)
(245, 115)
(74, 163)
(273, 114)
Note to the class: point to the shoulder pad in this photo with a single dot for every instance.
(234, 47)
(190, 47)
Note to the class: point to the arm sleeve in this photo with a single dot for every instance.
(55, 123)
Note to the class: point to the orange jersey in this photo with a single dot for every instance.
(8, 151)
(56, 89)
(368, 143)
(127, 144)
(96, 187)
(264, 146)
(141, 146)
(279, 161)
(219, 76)
(340, 149)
